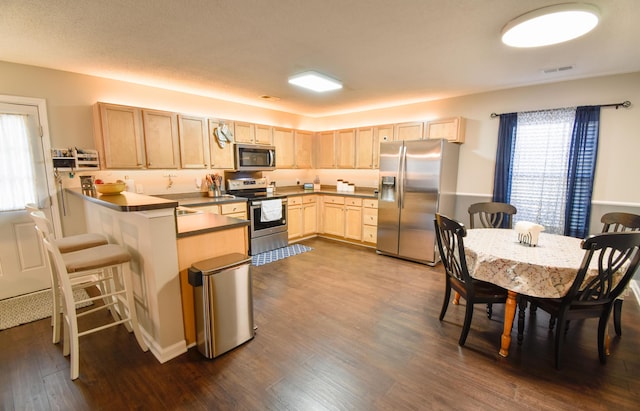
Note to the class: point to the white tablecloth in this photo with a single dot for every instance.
(546, 271)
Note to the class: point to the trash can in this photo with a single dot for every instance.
(223, 303)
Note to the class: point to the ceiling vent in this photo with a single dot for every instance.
(558, 69)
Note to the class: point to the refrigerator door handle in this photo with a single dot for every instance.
(402, 175)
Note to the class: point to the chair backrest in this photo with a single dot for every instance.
(492, 215)
(42, 223)
(613, 251)
(449, 236)
(614, 222)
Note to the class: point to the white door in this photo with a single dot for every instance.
(24, 138)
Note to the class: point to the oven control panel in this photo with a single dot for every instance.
(247, 184)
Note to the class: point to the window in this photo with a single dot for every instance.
(545, 165)
(539, 168)
(18, 176)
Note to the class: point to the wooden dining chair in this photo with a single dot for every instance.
(617, 222)
(593, 296)
(491, 214)
(449, 236)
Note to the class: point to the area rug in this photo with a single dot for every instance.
(31, 307)
(279, 254)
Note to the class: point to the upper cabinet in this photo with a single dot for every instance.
(161, 139)
(284, 142)
(346, 148)
(451, 129)
(367, 148)
(194, 142)
(409, 131)
(119, 136)
(325, 150)
(221, 152)
(304, 149)
(244, 133)
(264, 135)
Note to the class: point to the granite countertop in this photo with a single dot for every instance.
(362, 192)
(200, 199)
(200, 223)
(125, 201)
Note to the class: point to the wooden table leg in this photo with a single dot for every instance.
(509, 314)
(456, 298)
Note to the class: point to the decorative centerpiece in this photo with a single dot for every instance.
(528, 232)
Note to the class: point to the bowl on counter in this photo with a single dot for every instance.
(110, 188)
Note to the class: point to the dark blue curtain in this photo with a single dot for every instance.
(582, 167)
(504, 158)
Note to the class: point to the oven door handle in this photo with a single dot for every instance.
(259, 203)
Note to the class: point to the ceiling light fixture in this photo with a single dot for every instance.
(550, 25)
(315, 81)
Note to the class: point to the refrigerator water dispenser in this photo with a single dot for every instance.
(388, 188)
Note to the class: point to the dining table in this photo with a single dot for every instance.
(546, 270)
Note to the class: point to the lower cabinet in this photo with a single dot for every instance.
(302, 213)
(236, 210)
(370, 221)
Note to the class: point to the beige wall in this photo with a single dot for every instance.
(70, 97)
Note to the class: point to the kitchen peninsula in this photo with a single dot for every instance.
(163, 247)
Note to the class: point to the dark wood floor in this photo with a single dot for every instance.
(339, 328)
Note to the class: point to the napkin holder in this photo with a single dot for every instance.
(528, 232)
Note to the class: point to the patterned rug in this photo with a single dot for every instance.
(279, 254)
(30, 307)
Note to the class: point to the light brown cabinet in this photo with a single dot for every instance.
(303, 216)
(284, 142)
(221, 157)
(161, 139)
(194, 142)
(303, 149)
(264, 135)
(452, 129)
(333, 215)
(119, 136)
(325, 150)
(353, 218)
(234, 209)
(345, 148)
(367, 148)
(370, 221)
(409, 131)
(244, 132)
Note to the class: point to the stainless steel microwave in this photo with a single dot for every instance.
(249, 157)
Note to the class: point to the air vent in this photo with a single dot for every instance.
(558, 69)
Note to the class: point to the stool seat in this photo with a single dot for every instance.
(79, 242)
(95, 258)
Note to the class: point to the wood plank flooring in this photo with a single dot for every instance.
(339, 328)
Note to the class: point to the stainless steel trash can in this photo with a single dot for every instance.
(223, 303)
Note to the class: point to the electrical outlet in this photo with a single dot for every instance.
(139, 189)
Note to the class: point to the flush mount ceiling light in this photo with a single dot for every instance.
(315, 81)
(550, 25)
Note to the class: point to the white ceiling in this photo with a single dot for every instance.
(386, 52)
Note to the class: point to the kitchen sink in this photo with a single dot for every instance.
(180, 211)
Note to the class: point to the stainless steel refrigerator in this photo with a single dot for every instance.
(417, 180)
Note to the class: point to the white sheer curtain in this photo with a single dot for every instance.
(17, 166)
(540, 162)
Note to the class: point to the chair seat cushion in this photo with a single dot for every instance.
(95, 257)
(79, 242)
(483, 290)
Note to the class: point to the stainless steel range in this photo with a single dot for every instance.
(267, 211)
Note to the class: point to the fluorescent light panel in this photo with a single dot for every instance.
(315, 81)
(551, 25)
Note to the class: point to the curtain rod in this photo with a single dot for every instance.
(625, 104)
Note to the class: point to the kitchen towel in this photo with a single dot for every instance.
(271, 210)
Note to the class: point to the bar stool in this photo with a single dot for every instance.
(76, 266)
(65, 245)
